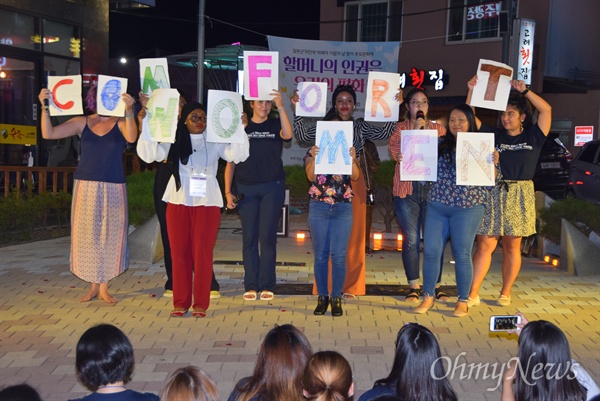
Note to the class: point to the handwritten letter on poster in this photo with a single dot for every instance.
(334, 139)
(160, 123)
(108, 98)
(493, 85)
(419, 155)
(224, 116)
(260, 74)
(312, 99)
(154, 74)
(381, 104)
(66, 95)
(474, 165)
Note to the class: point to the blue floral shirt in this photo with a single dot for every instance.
(447, 192)
(331, 188)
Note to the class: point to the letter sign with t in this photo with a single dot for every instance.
(493, 85)
(381, 104)
(334, 139)
(260, 75)
(66, 95)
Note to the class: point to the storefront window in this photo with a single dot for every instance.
(18, 30)
(61, 66)
(61, 39)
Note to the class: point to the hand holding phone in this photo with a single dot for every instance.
(504, 323)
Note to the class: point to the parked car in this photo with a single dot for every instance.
(584, 180)
(553, 167)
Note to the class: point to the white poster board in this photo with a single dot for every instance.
(162, 110)
(419, 155)
(65, 99)
(312, 99)
(474, 164)
(154, 74)
(381, 104)
(108, 98)
(260, 74)
(224, 117)
(493, 85)
(334, 139)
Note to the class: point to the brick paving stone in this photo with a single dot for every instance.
(47, 324)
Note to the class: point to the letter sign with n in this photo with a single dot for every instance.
(260, 75)
(334, 139)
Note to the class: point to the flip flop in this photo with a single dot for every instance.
(347, 295)
(441, 295)
(250, 296)
(266, 295)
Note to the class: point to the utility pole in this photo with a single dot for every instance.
(200, 67)
(506, 36)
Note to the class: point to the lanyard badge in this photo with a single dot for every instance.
(198, 185)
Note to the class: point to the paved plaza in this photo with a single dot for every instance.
(41, 319)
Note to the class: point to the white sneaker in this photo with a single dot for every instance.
(214, 294)
(503, 300)
(473, 301)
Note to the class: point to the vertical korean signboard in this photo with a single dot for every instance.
(524, 59)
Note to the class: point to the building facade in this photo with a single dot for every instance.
(453, 35)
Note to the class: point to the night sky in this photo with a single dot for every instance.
(172, 26)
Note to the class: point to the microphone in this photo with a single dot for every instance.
(421, 115)
(236, 200)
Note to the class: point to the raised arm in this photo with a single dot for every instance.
(470, 86)
(127, 125)
(544, 109)
(286, 126)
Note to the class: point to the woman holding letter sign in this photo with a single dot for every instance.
(343, 101)
(262, 182)
(453, 211)
(330, 220)
(511, 211)
(194, 203)
(410, 197)
(99, 220)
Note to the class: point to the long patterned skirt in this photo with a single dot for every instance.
(99, 228)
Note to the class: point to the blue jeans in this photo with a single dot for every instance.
(460, 224)
(330, 226)
(410, 214)
(259, 212)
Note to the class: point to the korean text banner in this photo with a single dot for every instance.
(334, 63)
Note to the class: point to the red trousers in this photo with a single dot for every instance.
(192, 235)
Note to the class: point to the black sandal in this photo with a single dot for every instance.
(413, 295)
(441, 295)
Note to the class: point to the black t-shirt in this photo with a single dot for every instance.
(264, 163)
(519, 154)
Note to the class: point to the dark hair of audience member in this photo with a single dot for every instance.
(416, 366)
(104, 355)
(19, 392)
(279, 366)
(190, 384)
(328, 377)
(543, 344)
(90, 98)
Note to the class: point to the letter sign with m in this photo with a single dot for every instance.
(334, 139)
